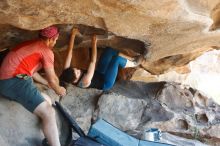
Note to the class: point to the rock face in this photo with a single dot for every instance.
(130, 106)
(174, 27)
(201, 74)
(179, 31)
(170, 33)
(18, 126)
(11, 36)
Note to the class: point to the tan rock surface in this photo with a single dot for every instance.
(178, 30)
(172, 26)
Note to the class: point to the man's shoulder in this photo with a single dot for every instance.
(27, 44)
(39, 43)
(41, 46)
(36, 42)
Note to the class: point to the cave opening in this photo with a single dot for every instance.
(10, 36)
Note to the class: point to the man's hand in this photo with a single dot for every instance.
(54, 82)
(61, 91)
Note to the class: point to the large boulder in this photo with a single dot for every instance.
(22, 128)
(18, 126)
(176, 29)
(169, 33)
(130, 106)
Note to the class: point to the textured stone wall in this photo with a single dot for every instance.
(171, 26)
(179, 31)
(129, 106)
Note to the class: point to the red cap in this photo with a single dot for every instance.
(49, 32)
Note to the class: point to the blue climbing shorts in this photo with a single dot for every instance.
(23, 91)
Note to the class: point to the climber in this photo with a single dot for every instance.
(104, 76)
(20, 66)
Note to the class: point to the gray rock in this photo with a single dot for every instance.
(130, 106)
(18, 126)
(123, 112)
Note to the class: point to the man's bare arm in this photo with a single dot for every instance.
(38, 78)
(53, 82)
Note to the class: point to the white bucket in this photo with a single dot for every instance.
(152, 134)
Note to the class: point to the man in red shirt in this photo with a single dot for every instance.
(20, 66)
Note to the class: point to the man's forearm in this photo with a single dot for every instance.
(54, 84)
(54, 81)
(38, 78)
